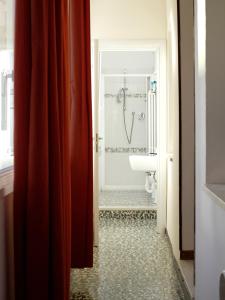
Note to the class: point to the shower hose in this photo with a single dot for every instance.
(129, 136)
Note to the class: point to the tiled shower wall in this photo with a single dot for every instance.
(116, 170)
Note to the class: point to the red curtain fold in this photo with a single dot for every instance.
(42, 208)
(81, 135)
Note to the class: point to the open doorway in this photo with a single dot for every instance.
(130, 126)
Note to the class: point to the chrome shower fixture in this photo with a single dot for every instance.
(121, 97)
(141, 116)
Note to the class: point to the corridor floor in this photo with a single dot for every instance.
(132, 262)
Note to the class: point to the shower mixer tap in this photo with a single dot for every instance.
(141, 116)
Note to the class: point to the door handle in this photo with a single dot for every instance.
(97, 139)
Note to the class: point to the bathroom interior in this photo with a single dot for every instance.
(128, 130)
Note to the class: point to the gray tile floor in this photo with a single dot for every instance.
(132, 262)
(127, 199)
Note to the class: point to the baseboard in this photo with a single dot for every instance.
(187, 292)
(187, 255)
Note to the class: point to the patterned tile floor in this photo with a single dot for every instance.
(127, 199)
(132, 262)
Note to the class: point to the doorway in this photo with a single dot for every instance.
(129, 124)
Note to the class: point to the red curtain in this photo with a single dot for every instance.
(81, 135)
(42, 164)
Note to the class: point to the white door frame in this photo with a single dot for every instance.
(95, 130)
(160, 47)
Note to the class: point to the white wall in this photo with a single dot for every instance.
(173, 131)
(128, 19)
(210, 216)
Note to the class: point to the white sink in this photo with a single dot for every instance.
(144, 163)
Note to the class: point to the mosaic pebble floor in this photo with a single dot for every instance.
(132, 262)
(126, 199)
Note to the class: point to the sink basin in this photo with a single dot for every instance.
(144, 163)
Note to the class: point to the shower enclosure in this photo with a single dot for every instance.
(124, 131)
(127, 124)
